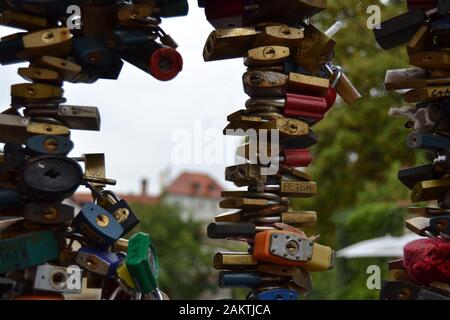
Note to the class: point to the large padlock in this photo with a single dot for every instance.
(142, 263)
(97, 225)
(46, 178)
(28, 250)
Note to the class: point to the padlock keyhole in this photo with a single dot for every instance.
(52, 173)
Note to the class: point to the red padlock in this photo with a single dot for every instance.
(165, 64)
(331, 97)
(296, 157)
(225, 13)
(305, 106)
(421, 4)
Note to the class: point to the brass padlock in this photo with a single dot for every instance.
(426, 94)
(267, 55)
(66, 69)
(229, 43)
(430, 60)
(234, 261)
(20, 20)
(430, 190)
(411, 78)
(55, 41)
(308, 85)
(265, 83)
(36, 91)
(279, 36)
(39, 74)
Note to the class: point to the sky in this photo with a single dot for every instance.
(150, 126)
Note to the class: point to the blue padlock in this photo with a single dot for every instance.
(97, 225)
(10, 200)
(229, 279)
(100, 262)
(427, 141)
(91, 52)
(277, 294)
(51, 145)
(441, 224)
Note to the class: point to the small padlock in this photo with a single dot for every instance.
(99, 262)
(441, 224)
(296, 157)
(97, 225)
(428, 141)
(120, 210)
(412, 176)
(49, 145)
(58, 279)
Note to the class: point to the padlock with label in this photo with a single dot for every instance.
(28, 250)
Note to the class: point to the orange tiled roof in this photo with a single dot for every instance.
(82, 198)
(195, 185)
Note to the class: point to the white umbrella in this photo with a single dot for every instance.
(387, 246)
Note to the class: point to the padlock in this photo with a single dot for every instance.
(21, 20)
(308, 85)
(308, 107)
(294, 173)
(412, 176)
(36, 91)
(97, 225)
(49, 145)
(231, 279)
(421, 4)
(57, 279)
(123, 213)
(35, 74)
(428, 211)
(294, 218)
(296, 157)
(28, 250)
(401, 290)
(55, 41)
(224, 14)
(172, 8)
(229, 43)
(290, 249)
(245, 174)
(234, 260)
(275, 294)
(267, 55)
(245, 203)
(142, 263)
(135, 11)
(67, 70)
(99, 262)
(441, 224)
(430, 190)
(427, 94)
(315, 49)
(399, 30)
(279, 35)
(224, 230)
(161, 62)
(265, 84)
(431, 60)
(90, 51)
(411, 78)
(8, 221)
(46, 178)
(419, 225)
(10, 200)
(48, 213)
(289, 188)
(420, 41)
(427, 141)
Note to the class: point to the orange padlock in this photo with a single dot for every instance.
(291, 249)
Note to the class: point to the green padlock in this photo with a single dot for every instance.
(173, 8)
(28, 250)
(142, 263)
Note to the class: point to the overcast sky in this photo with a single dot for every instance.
(144, 120)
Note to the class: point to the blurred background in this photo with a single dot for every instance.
(163, 143)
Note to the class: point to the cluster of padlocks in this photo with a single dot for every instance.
(422, 274)
(47, 250)
(292, 83)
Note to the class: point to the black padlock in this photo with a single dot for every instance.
(399, 30)
(411, 176)
(49, 178)
(124, 215)
(224, 230)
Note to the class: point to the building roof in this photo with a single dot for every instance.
(195, 185)
(82, 198)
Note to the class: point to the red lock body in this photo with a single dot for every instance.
(305, 106)
(225, 13)
(297, 157)
(165, 64)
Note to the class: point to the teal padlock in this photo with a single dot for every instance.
(28, 250)
(142, 263)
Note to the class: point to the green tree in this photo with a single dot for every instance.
(185, 263)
